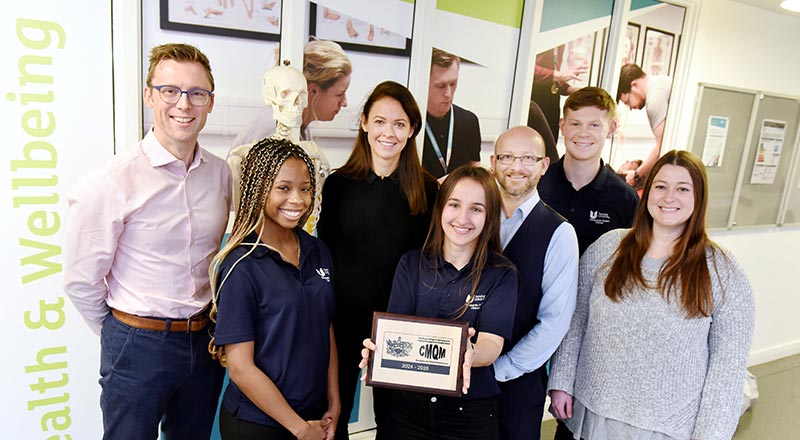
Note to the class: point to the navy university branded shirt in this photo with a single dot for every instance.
(287, 313)
(422, 288)
(604, 204)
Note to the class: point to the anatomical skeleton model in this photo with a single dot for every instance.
(285, 89)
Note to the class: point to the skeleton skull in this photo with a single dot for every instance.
(286, 91)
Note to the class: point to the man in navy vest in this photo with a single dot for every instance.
(544, 248)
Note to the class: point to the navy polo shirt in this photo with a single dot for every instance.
(287, 313)
(422, 288)
(604, 204)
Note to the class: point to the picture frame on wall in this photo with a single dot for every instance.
(630, 44)
(251, 19)
(580, 53)
(354, 34)
(657, 54)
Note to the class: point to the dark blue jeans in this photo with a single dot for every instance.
(521, 406)
(150, 377)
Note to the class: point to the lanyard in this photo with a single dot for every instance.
(436, 149)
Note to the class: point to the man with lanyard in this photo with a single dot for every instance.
(544, 248)
(142, 230)
(452, 134)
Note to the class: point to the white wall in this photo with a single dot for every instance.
(738, 46)
(741, 46)
(57, 122)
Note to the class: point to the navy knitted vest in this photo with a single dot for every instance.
(527, 250)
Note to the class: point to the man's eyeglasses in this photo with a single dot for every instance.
(527, 160)
(172, 94)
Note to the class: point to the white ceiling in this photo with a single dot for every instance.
(770, 5)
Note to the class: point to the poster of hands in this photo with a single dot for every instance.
(259, 19)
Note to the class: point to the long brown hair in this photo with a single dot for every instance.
(685, 272)
(412, 176)
(489, 239)
(259, 170)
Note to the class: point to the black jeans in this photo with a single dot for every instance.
(428, 417)
(232, 428)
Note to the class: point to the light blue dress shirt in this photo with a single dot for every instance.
(559, 291)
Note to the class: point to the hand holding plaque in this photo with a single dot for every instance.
(418, 354)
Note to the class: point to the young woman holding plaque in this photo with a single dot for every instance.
(375, 208)
(659, 342)
(273, 304)
(460, 274)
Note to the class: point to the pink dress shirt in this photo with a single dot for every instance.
(141, 232)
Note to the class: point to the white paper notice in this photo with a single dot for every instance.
(716, 136)
(768, 153)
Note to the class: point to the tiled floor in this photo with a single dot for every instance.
(775, 415)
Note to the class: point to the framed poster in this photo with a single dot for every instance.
(657, 55)
(354, 34)
(252, 19)
(417, 354)
(630, 43)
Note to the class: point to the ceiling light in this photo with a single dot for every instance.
(791, 5)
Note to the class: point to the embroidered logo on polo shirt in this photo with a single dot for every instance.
(599, 218)
(477, 302)
(324, 273)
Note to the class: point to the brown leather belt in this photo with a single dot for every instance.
(191, 324)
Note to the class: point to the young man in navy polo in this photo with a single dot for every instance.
(579, 186)
(544, 248)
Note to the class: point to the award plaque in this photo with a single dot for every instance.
(417, 354)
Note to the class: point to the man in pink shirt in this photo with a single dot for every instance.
(142, 229)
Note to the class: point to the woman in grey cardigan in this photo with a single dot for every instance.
(659, 342)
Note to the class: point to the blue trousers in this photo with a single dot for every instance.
(150, 377)
(521, 406)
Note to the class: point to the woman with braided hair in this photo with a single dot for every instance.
(273, 305)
